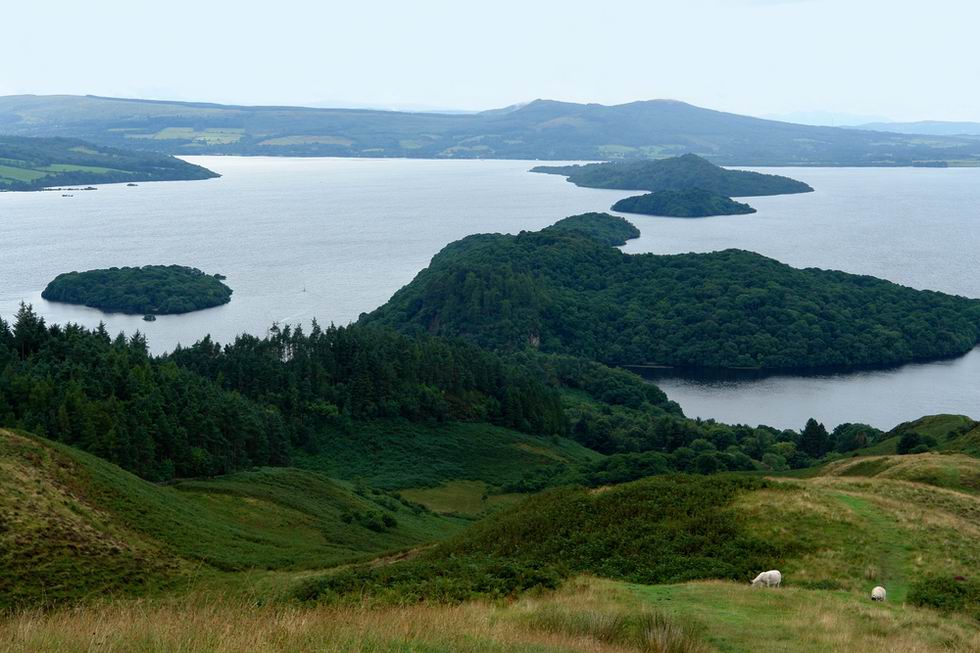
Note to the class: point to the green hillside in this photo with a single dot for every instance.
(691, 203)
(678, 173)
(543, 129)
(947, 433)
(36, 163)
(564, 291)
(73, 526)
(838, 532)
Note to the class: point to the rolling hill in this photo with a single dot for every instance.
(273, 559)
(36, 163)
(543, 129)
(73, 526)
(656, 542)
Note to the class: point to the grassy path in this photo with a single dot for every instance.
(893, 561)
(736, 618)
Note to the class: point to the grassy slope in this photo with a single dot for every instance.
(956, 433)
(401, 455)
(72, 525)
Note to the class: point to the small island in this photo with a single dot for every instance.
(677, 173)
(689, 203)
(149, 290)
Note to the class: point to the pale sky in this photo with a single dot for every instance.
(898, 59)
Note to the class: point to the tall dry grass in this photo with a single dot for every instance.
(202, 625)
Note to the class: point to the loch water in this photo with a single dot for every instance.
(304, 238)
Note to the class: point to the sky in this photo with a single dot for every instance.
(896, 59)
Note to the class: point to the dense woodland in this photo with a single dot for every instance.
(566, 292)
(151, 289)
(689, 203)
(677, 173)
(35, 163)
(211, 409)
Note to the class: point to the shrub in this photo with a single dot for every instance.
(947, 594)
(452, 580)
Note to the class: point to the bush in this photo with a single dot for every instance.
(947, 594)
(452, 580)
(912, 442)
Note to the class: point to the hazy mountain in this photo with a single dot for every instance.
(929, 127)
(542, 129)
(826, 118)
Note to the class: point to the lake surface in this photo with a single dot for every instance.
(332, 238)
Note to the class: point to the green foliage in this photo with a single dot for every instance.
(947, 594)
(397, 454)
(814, 439)
(850, 437)
(602, 227)
(659, 530)
(446, 580)
(151, 289)
(688, 203)
(912, 442)
(208, 410)
(35, 163)
(681, 173)
(566, 293)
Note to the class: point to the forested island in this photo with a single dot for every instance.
(37, 163)
(563, 291)
(689, 203)
(677, 173)
(149, 290)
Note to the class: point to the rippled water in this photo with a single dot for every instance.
(331, 238)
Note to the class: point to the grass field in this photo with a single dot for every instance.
(587, 615)
(210, 136)
(852, 533)
(466, 498)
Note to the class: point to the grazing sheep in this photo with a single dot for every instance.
(771, 578)
(878, 594)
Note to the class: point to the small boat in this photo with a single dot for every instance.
(149, 317)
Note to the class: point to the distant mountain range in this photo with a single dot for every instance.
(542, 129)
(929, 127)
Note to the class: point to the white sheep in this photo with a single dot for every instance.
(878, 594)
(771, 578)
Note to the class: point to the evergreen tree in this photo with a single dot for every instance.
(814, 439)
